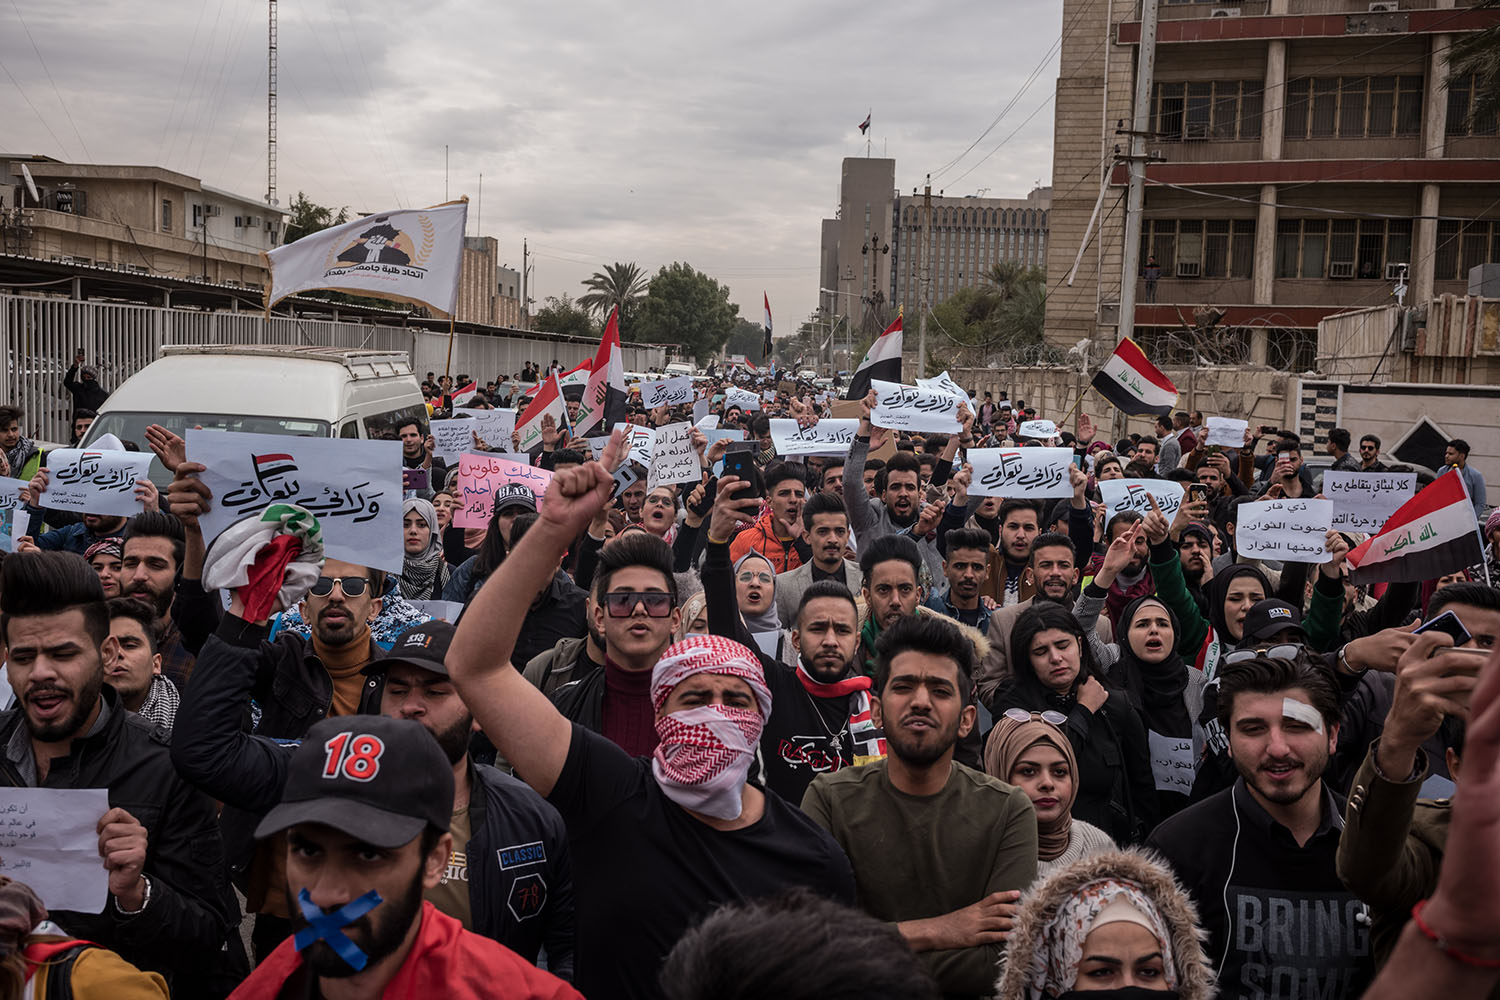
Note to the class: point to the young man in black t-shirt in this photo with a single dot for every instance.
(658, 842)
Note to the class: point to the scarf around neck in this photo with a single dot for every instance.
(868, 738)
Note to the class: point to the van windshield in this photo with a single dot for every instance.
(131, 427)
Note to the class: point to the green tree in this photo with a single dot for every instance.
(1004, 315)
(308, 217)
(1478, 52)
(618, 286)
(748, 338)
(562, 315)
(686, 307)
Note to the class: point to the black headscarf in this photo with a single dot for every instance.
(1155, 689)
(1219, 590)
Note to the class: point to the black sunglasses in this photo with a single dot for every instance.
(621, 603)
(352, 586)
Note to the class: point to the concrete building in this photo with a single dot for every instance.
(969, 236)
(870, 259)
(509, 301)
(1312, 152)
(479, 282)
(133, 218)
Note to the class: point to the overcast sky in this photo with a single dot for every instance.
(708, 132)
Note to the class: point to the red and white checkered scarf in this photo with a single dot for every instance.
(705, 752)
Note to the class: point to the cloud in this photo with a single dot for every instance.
(661, 131)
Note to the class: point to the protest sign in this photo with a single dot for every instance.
(640, 441)
(673, 458)
(1287, 530)
(945, 383)
(1364, 501)
(625, 476)
(913, 408)
(451, 438)
(1226, 432)
(743, 398)
(1131, 494)
(49, 839)
(769, 395)
(707, 422)
(1037, 429)
(94, 482)
(447, 611)
(479, 476)
(667, 392)
(10, 505)
(700, 413)
(495, 426)
(1021, 473)
(826, 437)
(352, 487)
(1171, 762)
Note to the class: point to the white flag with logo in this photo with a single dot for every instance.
(410, 255)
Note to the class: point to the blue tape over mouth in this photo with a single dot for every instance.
(329, 927)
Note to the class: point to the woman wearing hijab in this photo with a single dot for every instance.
(1027, 750)
(755, 595)
(424, 573)
(694, 617)
(1053, 670)
(1113, 925)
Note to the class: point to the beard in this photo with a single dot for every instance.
(920, 751)
(160, 603)
(1308, 774)
(822, 673)
(378, 933)
(455, 739)
(84, 700)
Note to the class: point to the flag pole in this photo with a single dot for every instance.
(448, 364)
(1064, 422)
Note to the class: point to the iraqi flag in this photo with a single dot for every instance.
(574, 382)
(549, 401)
(1134, 385)
(864, 126)
(1431, 534)
(604, 394)
(882, 361)
(465, 396)
(765, 351)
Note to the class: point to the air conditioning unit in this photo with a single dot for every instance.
(1341, 269)
(1187, 269)
(253, 222)
(1393, 271)
(1385, 7)
(214, 211)
(1225, 12)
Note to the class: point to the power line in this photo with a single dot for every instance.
(33, 108)
(57, 93)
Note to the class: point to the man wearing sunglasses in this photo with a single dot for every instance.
(657, 842)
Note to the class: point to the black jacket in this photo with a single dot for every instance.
(248, 772)
(86, 395)
(189, 930)
(557, 614)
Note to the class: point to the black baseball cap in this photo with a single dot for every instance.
(423, 645)
(1266, 618)
(382, 781)
(514, 495)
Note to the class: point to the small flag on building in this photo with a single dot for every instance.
(766, 349)
(1431, 534)
(604, 395)
(882, 361)
(1132, 384)
(864, 126)
(411, 255)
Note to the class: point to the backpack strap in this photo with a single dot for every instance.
(59, 957)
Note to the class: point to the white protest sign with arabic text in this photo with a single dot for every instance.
(1130, 494)
(1364, 501)
(10, 506)
(1021, 473)
(826, 437)
(1171, 762)
(88, 481)
(1226, 432)
(49, 839)
(495, 426)
(743, 398)
(667, 392)
(673, 458)
(479, 476)
(945, 383)
(352, 487)
(451, 438)
(1037, 429)
(1285, 530)
(640, 442)
(913, 408)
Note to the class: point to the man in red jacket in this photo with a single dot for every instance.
(366, 815)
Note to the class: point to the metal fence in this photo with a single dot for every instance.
(41, 336)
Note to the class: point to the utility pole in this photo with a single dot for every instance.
(1145, 69)
(271, 107)
(926, 277)
(445, 171)
(525, 297)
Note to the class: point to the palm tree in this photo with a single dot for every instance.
(1479, 53)
(618, 286)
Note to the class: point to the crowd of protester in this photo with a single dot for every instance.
(830, 727)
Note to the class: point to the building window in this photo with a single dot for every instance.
(1353, 107)
(166, 216)
(1220, 109)
(1367, 249)
(1199, 248)
(1464, 245)
(1462, 92)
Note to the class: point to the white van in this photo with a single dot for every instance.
(265, 389)
(678, 368)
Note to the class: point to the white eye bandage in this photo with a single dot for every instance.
(1291, 708)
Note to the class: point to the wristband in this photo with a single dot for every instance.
(1443, 945)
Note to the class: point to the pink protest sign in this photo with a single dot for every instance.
(481, 476)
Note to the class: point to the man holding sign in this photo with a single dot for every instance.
(168, 907)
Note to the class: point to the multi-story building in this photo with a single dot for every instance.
(131, 218)
(509, 285)
(871, 254)
(1313, 155)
